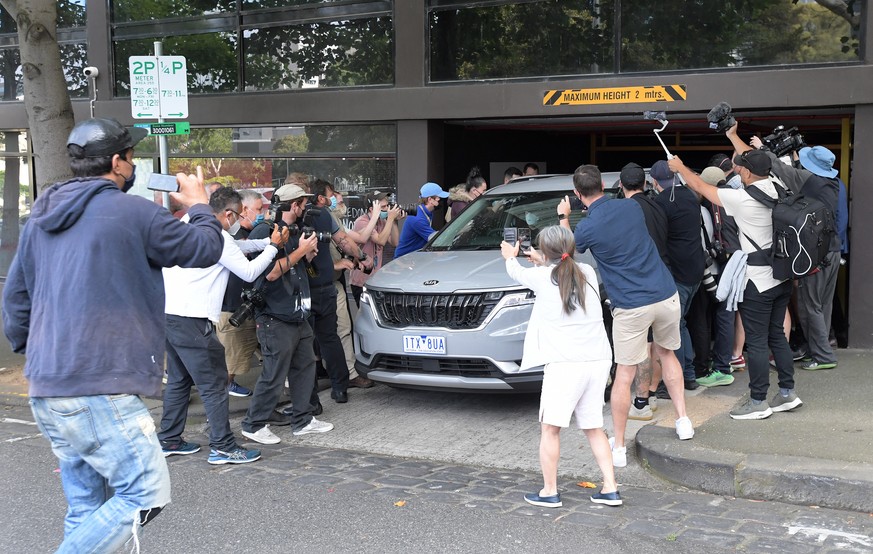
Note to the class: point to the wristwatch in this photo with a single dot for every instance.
(562, 217)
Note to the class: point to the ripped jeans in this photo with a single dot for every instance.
(112, 468)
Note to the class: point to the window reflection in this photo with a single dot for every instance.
(320, 54)
(211, 60)
(137, 10)
(555, 37)
(17, 200)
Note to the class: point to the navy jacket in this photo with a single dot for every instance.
(84, 298)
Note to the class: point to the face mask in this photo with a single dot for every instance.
(259, 219)
(735, 182)
(333, 203)
(383, 214)
(531, 218)
(128, 181)
(234, 229)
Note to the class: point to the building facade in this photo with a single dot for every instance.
(388, 94)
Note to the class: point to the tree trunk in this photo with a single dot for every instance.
(46, 99)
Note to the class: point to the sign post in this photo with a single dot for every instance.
(159, 89)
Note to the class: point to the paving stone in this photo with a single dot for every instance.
(411, 471)
(443, 486)
(535, 511)
(698, 521)
(698, 506)
(398, 481)
(503, 476)
(362, 474)
(479, 490)
(442, 497)
(655, 529)
(354, 486)
(772, 544)
(489, 505)
(714, 538)
(600, 521)
(314, 479)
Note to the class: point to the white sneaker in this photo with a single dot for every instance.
(653, 402)
(314, 426)
(619, 455)
(263, 436)
(684, 429)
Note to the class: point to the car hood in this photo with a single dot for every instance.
(450, 271)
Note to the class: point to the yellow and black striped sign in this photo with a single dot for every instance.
(614, 95)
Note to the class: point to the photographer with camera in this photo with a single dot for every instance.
(323, 316)
(281, 311)
(764, 298)
(195, 357)
(387, 231)
(813, 174)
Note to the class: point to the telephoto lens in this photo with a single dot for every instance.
(709, 283)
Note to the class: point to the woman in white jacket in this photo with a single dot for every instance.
(566, 335)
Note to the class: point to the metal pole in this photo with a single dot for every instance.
(162, 139)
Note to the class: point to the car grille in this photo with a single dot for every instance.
(453, 311)
(446, 366)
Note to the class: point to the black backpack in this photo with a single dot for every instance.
(802, 231)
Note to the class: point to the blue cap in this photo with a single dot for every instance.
(818, 160)
(433, 189)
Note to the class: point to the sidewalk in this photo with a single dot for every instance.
(820, 454)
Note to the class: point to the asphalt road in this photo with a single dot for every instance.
(309, 497)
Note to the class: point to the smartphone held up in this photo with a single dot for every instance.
(163, 183)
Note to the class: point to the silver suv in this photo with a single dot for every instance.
(448, 316)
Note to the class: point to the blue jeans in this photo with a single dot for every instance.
(685, 354)
(112, 466)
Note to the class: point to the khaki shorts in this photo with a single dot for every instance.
(574, 388)
(630, 329)
(239, 343)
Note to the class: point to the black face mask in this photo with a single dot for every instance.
(128, 181)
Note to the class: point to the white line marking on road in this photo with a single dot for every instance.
(24, 438)
(21, 421)
(822, 535)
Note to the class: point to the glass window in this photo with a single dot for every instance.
(320, 54)
(17, 198)
(137, 10)
(551, 37)
(211, 59)
(258, 4)
(690, 35)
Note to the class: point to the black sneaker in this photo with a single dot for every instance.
(179, 448)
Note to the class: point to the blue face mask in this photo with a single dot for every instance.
(735, 182)
(383, 214)
(259, 219)
(333, 203)
(531, 218)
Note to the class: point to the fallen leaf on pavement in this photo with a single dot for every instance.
(400, 503)
(586, 485)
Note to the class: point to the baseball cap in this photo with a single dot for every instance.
(818, 160)
(713, 176)
(756, 161)
(661, 172)
(99, 137)
(287, 193)
(376, 196)
(632, 175)
(433, 189)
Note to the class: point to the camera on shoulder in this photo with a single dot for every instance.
(783, 141)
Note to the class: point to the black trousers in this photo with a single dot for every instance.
(323, 322)
(763, 314)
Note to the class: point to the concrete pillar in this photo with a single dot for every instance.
(861, 227)
(419, 157)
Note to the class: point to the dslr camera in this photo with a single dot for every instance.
(252, 299)
(720, 118)
(783, 141)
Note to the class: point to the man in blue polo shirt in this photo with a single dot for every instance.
(642, 292)
(419, 227)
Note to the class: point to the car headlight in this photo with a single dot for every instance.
(365, 296)
(517, 299)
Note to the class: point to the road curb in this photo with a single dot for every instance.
(791, 479)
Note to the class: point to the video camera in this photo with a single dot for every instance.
(783, 141)
(720, 118)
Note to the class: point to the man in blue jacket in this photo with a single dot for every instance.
(419, 227)
(84, 301)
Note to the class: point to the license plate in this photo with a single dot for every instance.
(424, 344)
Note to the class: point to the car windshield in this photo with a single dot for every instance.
(482, 225)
